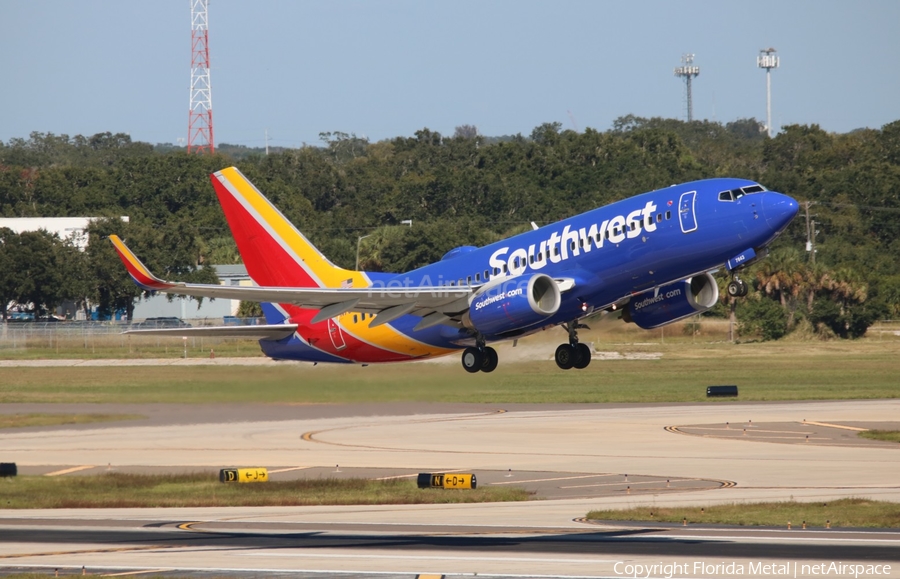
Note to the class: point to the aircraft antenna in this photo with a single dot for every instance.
(768, 61)
(688, 71)
(200, 123)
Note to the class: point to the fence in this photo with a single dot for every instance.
(106, 338)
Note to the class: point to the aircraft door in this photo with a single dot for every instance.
(336, 335)
(686, 215)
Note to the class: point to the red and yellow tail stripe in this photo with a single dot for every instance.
(136, 269)
(277, 254)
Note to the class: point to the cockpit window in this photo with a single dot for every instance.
(735, 194)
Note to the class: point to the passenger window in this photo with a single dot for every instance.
(531, 259)
(486, 274)
(659, 217)
(468, 280)
(634, 225)
(572, 245)
(477, 277)
(354, 318)
(668, 215)
(505, 268)
(555, 250)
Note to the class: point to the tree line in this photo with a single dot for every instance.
(350, 194)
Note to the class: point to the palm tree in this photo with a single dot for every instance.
(782, 276)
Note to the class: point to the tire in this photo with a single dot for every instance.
(734, 289)
(490, 360)
(583, 356)
(745, 289)
(565, 356)
(472, 360)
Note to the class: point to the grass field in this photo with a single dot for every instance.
(840, 513)
(887, 435)
(41, 419)
(676, 372)
(117, 490)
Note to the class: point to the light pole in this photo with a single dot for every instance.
(358, 241)
(767, 60)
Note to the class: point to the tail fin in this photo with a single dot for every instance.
(273, 314)
(274, 251)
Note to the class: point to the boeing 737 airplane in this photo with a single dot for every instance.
(649, 256)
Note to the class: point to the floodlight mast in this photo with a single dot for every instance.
(200, 124)
(687, 71)
(768, 61)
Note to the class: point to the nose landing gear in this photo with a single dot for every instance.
(574, 354)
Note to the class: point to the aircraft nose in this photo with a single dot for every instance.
(779, 209)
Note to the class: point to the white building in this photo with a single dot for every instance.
(73, 228)
(187, 309)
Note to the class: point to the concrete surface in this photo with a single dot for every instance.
(541, 538)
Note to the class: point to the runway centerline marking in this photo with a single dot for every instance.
(647, 482)
(293, 468)
(518, 482)
(841, 426)
(69, 470)
(139, 572)
(424, 557)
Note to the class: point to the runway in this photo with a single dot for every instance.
(554, 447)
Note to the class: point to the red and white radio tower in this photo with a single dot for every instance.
(200, 123)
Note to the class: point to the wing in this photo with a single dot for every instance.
(435, 305)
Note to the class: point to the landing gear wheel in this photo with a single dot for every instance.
(737, 289)
(472, 359)
(490, 360)
(583, 356)
(565, 356)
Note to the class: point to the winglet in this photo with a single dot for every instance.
(137, 270)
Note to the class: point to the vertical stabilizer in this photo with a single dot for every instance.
(274, 251)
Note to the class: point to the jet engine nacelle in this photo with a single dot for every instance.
(673, 302)
(512, 303)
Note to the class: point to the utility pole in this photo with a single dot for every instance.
(810, 233)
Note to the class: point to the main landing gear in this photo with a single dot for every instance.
(574, 354)
(479, 358)
(737, 288)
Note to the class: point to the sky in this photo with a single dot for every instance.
(382, 69)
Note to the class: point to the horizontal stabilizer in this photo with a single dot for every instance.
(266, 332)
